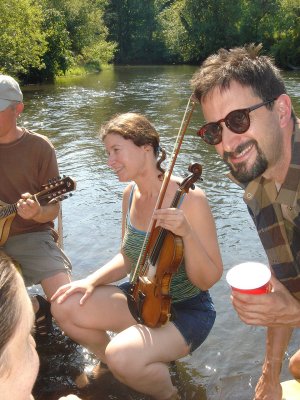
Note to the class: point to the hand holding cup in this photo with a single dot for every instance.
(249, 278)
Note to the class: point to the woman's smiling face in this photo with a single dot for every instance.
(125, 158)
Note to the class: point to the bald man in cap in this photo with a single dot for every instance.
(28, 161)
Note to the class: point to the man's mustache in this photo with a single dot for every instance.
(240, 148)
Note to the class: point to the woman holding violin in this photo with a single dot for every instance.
(138, 355)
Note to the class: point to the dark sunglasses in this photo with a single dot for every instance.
(238, 121)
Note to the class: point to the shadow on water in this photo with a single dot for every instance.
(66, 368)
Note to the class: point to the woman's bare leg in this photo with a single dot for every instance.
(106, 309)
(139, 357)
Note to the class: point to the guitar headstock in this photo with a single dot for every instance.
(56, 190)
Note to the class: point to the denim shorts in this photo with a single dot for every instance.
(193, 317)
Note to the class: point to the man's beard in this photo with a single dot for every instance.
(240, 171)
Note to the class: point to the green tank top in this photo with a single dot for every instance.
(181, 287)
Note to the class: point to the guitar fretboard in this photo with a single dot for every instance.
(8, 210)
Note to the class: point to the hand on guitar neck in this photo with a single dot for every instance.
(39, 207)
(28, 208)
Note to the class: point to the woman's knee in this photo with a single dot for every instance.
(120, 362)
(61, 312)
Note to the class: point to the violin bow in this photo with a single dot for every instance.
(167, 176)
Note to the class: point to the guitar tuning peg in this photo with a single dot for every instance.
(71, 194)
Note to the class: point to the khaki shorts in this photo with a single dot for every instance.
(38, 255)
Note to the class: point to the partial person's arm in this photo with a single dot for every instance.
(28, 208)
(280, 312)
(276, 309)
(268, 386)
(47, 167)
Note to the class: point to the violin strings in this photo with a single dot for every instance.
(163, 232)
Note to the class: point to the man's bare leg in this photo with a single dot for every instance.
(268, 386)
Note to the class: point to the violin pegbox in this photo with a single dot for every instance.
(189, 182)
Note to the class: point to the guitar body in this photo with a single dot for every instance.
(5, 224)
(149, 300)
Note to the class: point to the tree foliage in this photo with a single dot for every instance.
(194, 29)
(41, 39)
(286, 47)
(132, 24)
(23, 41)
(186, 31)
(58, 57)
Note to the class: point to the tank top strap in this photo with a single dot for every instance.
(130, 202)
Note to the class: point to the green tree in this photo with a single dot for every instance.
(58, 57)
(193, 29)
(23, 41)
(132, 24)
(259, 20)
(87, 31)
(286, 48)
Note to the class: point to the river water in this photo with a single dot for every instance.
(70, 112)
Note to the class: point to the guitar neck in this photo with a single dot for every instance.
(9, 209)
(52, 192)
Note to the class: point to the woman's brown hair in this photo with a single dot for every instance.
(10, 307)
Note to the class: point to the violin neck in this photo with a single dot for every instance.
(177, 198)
(163, 232)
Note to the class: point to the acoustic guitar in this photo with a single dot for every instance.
(56, 190)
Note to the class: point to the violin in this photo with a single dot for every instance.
(149, 299)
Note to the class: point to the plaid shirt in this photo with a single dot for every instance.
(279, 232)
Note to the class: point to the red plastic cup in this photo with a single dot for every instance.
(250, 278)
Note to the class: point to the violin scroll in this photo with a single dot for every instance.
(196, 169)
(188, 182)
